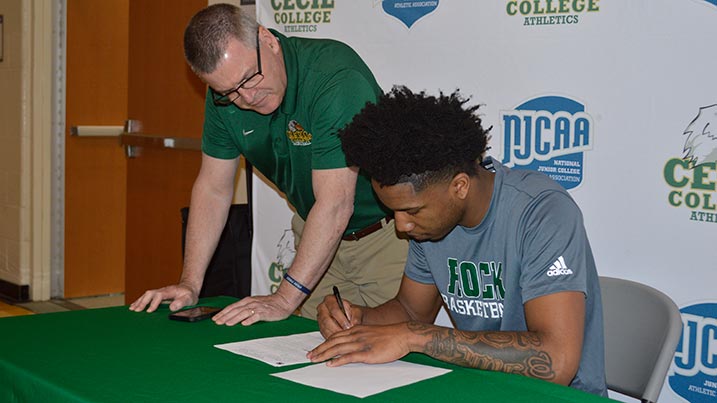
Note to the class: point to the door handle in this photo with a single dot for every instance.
(96, 131)
(134, 141)
(131, 126)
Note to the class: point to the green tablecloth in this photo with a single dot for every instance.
(115, 355)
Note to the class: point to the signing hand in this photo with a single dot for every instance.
(250, 310)
(331, 319)
(180, 295)
(367, 344)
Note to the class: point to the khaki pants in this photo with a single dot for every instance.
(367, 271)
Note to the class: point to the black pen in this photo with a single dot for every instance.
(341, 302)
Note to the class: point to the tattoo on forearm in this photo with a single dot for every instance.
(514, 352)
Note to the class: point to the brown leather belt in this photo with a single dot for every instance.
(356, 235)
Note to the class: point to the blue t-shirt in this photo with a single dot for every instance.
(531, 243)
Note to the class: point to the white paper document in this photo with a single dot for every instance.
(277, 351)
(362, 380)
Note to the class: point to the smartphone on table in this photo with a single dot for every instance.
(195, 314)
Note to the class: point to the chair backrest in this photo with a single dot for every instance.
(642, 329)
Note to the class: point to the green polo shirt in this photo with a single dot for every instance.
(327, 84)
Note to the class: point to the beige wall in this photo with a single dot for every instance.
(36, 139)
(11, 140)
(25, 142)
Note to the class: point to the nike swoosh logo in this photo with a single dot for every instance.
(247, 132)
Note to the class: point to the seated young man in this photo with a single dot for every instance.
(505, 251)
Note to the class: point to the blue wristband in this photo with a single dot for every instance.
(296, 284)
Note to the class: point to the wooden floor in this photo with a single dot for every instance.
(12, 310)
(59, 305)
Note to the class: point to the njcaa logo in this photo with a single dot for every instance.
(694, 370)
(408, 12)
(297, 135)
(550, 12)
(693, 177)
(475, 290)
(713, 2)
(301, 15)
(548, 134)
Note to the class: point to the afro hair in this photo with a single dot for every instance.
(415, 137)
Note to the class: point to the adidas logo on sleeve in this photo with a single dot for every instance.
(558, 268)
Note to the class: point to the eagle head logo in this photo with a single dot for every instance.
(701, 144)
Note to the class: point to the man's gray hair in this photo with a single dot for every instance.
(208, 32)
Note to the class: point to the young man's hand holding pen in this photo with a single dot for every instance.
(334, 316)
(348, 341)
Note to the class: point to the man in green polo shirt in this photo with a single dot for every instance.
(280, 101)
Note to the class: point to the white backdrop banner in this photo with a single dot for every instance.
(616, 100)
(273, 241)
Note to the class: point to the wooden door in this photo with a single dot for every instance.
(95, 168)
(122, 218)
(168, 100)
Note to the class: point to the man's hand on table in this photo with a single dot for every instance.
(247, 311)
(179, 294)
(250, 310)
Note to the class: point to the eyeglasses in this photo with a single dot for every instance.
(229, 97)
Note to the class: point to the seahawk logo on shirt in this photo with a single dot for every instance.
(296, 133)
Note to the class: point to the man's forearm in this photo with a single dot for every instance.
(392, 311)
(513, 352)
(207, 217)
